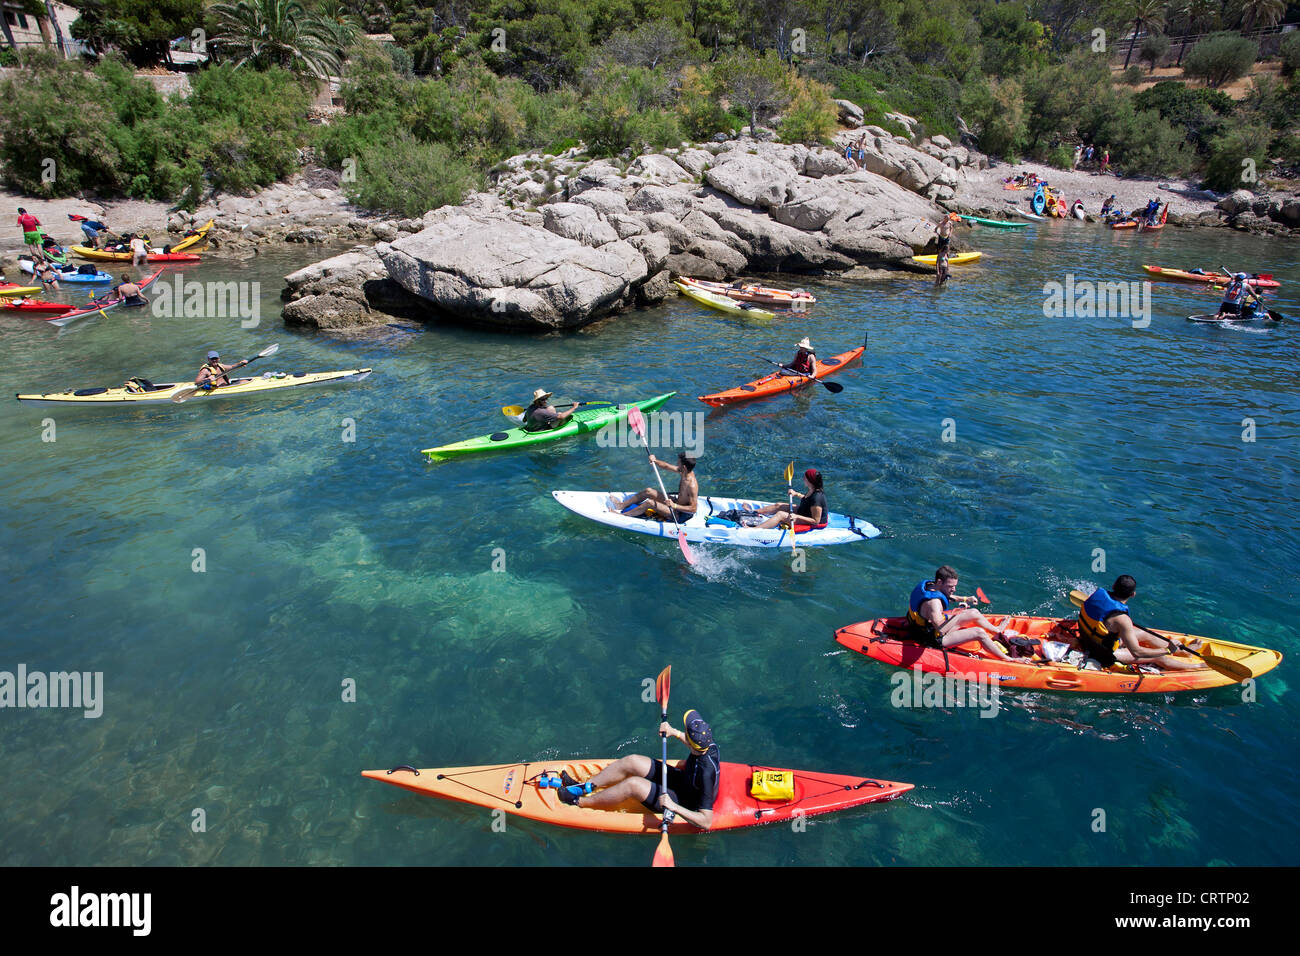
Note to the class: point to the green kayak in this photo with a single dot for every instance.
(998, 223)
(583, 422)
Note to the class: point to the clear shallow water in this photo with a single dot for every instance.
(328, 561)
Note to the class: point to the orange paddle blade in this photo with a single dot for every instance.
(984, 598)
(663, 855)
(663, 684)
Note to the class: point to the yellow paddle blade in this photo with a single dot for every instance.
(509, 410)
(1077, 598)
(663, 855)
(789, 472)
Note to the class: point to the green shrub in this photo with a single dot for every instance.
(811, 116)
(1062, 157)
(1228, 156)
(1221, 58)
(348, 136)
(1152, 49)
(405, 177)
(1133, 75)
(996, 110)
(1290, 53)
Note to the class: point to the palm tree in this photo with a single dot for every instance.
(1146, 15)
(1196, 16)
(1266, 12)
(264, 33)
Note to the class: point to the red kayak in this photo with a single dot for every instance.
(35, 305)
(98, 308)
(779, 382)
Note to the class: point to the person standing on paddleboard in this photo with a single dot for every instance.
(929, 623)
(1108, 635)
(1236, 296)
(692, 788)
(811, 513)
(540, 416)
(650, 503)
(215, 375)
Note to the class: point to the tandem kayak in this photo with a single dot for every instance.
(716, 522)
(513, 787)
(752, 292)
(162, 394)
(722, 303)
(996, 223)
(956, 259)
(1264, 281)
(97, 308)
(779, 382)
(884, 639)
(68, 273)
(583, 422)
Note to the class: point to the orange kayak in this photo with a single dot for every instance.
(513, 788)
(779, 382)
(1211, 278)
(884, 639)
(761, 295)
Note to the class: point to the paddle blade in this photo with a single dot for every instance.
(269, 350)
(1234, 669)
(636, 421)
(511, 411)
(789, 472)
(663, 684)
(984, 598)
(1077, 598)
(686, 548)
(184, 394)
(663, 855)
(833, 387)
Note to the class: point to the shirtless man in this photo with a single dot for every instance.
(650, 503)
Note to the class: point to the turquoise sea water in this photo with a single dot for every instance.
(331, 561)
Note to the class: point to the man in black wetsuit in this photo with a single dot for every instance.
(692, 788)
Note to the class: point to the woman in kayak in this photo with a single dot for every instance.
(805, 360)
(128, 292)
(650, 503)
(540, 416)
(811, 513)
(1108, 635)
(929, 623)
(215, 375)
(692, 788)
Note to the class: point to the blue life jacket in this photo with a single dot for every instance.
(920, 594)
(1093, 615)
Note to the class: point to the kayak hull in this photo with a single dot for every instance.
(996, 223)
(62, 320)
(162, 394)
(956, 259)
(777, 383)
(760, 295)
(723, 303)
(73, 276)
(706, 527)
(10, 289)
(884, 640)
(1205, 278)
(583, 422)
(513, 788)
(38, 306)
(177, 253)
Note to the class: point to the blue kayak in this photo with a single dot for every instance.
(66, 273)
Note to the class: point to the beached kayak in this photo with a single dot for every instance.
(718, 521)
(1028, 215)
(996, 223)
(1265, 281)
(583, 422)
(68, 273)
(35, 305)
(779, 382)
(98, 309)
(759, 294)
(956, 259)
(885, 640)
(11, 288)
(722, 303)
(1124, 224)
(172, 253)
(513, 787)
(162, 394)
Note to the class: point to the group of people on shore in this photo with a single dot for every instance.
(49, 260)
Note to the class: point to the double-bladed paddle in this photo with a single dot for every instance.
(514, 411)
(186, 394)
(833, 387)
(664, 854)
(1238, 672)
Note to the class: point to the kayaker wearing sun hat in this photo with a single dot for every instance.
(692, 788)
(215, 375)
(540, 416)
(805, 359)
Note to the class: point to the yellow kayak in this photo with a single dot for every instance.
(155, 255)
(958, 259)
(162, 394)
(19, 289)
(723, 303)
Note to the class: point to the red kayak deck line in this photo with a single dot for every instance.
(776, 383)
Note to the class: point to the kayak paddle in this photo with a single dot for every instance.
(789, 481)
(514, 411)
(832, 387)
(637, 421)
(664, 854)
(186, 394)
(1238, 672)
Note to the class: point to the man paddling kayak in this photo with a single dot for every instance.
(215, 375)
(650, 502)
(541, 416)
(692, 788)
(928, 622)
(1108, 635)
(811, 513)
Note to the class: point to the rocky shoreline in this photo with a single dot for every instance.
(560, 241)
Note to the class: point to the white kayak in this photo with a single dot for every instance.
(709, 526)
(1028, 215)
